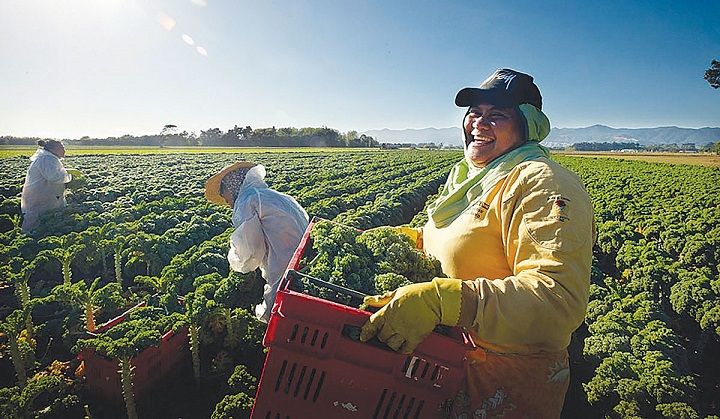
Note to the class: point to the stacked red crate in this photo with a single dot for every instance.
(151, 366)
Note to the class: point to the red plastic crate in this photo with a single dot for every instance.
(316, 368)
(151, 367)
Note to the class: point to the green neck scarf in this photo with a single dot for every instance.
(467, 183)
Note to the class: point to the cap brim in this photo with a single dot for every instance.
(471, 96)
(212, 186)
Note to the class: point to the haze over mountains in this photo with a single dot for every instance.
(564, 136)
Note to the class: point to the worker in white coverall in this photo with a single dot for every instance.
(268, 225)
(514, 233)
(44, 187)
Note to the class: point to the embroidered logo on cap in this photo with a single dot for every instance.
(508, 79)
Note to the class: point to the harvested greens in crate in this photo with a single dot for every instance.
(371, 262)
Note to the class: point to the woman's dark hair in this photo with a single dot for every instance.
(48, 143)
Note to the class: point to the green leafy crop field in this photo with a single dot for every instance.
(141, 232)
(700, 159)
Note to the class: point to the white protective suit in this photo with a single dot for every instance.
(44, 187)
(268, 228)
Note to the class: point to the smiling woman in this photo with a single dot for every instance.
(513, 230)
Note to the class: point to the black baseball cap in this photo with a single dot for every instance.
(504, 88)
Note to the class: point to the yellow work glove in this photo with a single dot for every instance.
(76, 174)
(410, 313)
(415, 234)
(77, 181)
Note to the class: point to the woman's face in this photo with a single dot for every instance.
(491, 132)
(57, 149)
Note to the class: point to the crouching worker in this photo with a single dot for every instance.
(44, 187)
(268, 225)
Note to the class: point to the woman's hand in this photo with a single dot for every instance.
(410, 313)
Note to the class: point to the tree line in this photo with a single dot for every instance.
(235, 137)
(611, 146)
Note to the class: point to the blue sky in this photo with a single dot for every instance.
(111, 67)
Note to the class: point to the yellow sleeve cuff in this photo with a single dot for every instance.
(450, 292)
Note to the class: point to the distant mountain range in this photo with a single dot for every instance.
(644, 136)
(564, 136)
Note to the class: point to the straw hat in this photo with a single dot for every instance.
(212, 186)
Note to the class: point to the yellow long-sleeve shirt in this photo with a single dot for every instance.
(526, 250)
